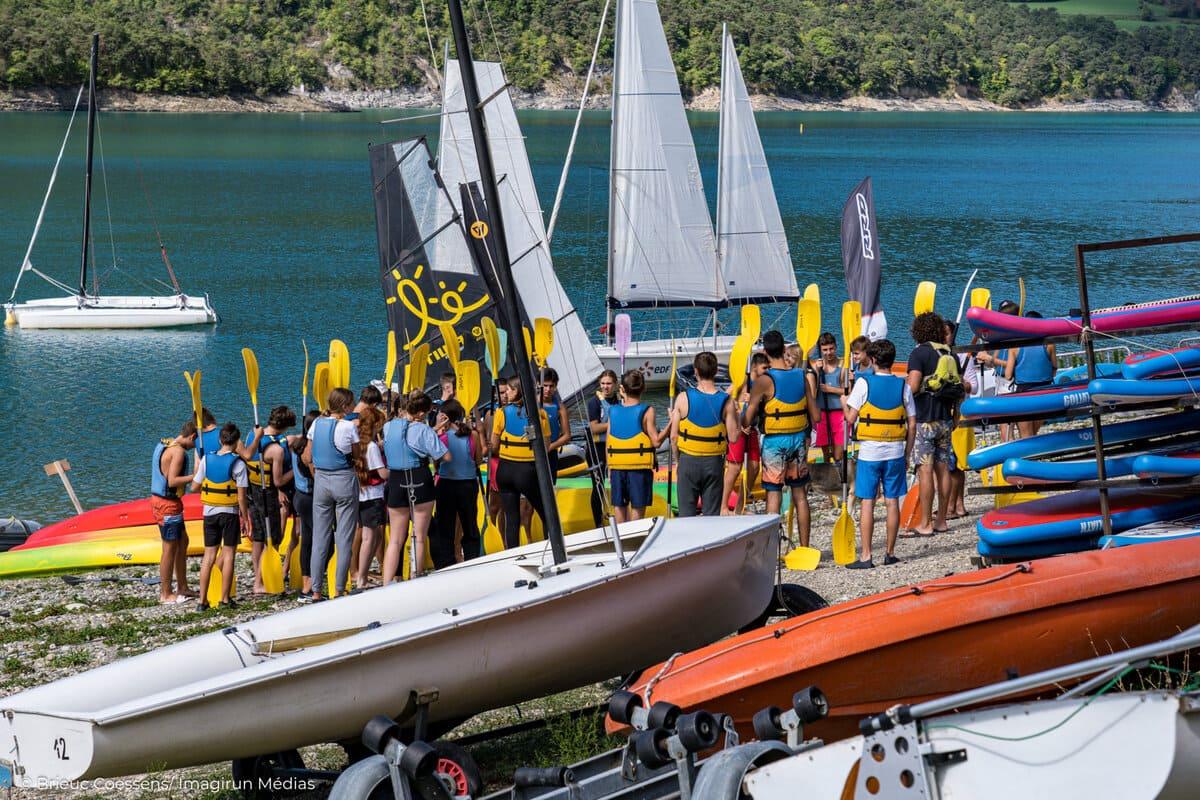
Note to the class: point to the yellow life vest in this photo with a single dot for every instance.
(259, 462)
(514, 444)
(628, 445)
(882, 417)
(219, 488)
(787, 410)
(702, 431)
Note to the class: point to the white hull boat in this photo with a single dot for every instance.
(480, 635)
(113, 311)
(655, 357)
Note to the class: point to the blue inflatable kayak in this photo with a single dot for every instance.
(1168, 465)
(1028, 469)
(1161, 364)
(1114, 391)
(1039, 401)
(1184, 528)
(1054, 547)
(1079, 439)
(1076, 515)
(1079, 373)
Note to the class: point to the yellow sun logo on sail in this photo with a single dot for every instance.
(479, 229)
(450, 300)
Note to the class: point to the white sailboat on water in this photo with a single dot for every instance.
(662, 252)
(479, 635)
(79, 307)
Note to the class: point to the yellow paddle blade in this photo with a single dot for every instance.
(963, 442)
(808, 324)
(674, 367)
(1021, 297)
(843, 538)
(304, 380)
(339, 365)
(321, 385)
(389, 369)
(851, 324)
(739, 361)
(193, 382)
(923, 301)
(450, 338)
(417, 365)
(528, 342)
(813, 292)
(467, 384)
(802, 559)
(251, 362)
(543, 339)
(491, 341)
(212, 592)
(271, 567)
(981, 298)
(751, 322)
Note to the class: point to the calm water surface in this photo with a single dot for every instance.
(272, 214)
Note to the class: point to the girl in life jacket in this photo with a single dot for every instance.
(409, 446)
(455, 535)
(515, 474)
(632, 441)
(302, 502)
(372, 475)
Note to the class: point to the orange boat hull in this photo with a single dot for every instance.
(947, 635)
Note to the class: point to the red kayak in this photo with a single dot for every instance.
(947, 635)
(131, 513)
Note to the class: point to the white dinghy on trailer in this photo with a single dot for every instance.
(80, 308)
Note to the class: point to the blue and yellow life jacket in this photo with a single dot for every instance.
(397, 452)
(702, 431)
(882, 417)
(325, 455)
(628, 445)
(515, 445)
(787, 410)
(219, 488)
(208, 442)
(158, 481)
(551, 408)
(259, 463)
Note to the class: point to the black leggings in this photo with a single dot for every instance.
(514, 479)
(596, 457)
(303, 503)
(457, 500)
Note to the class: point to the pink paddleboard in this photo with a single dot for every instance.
(993, 326)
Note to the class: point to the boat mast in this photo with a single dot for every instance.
(87, 179)
(618, 34)
(508, 300)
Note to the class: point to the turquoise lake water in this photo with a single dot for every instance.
(272, 214)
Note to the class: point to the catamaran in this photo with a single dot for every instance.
(80, 307)
(662, 253)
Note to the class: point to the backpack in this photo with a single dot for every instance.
(945, 384)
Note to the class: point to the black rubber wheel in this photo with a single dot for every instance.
(457, 768)
(418, 760)
(378, 732)
(766, 724)
(251, 776)
(697, 731)
(621, 706)
(788, 600)
(662, 715)
(651, 747)
(810, 705)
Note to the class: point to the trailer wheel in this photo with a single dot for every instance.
(788, 600)
(251, 776)
(458, 768)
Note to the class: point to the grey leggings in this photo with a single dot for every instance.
(335, 497)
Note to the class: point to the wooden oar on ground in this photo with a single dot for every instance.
(808, 330)
(270, 566)
(843, 529)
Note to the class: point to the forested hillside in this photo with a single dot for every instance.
(1009, 54)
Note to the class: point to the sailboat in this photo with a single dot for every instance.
(662, 253)
(79, 307)
(479, 635)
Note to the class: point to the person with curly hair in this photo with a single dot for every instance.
(936, 384)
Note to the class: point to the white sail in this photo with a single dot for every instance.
(751, 245)
(542, 295)
(661, 248)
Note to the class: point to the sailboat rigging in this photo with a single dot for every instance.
(84, 309)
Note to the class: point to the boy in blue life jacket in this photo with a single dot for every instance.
(222, 480)
(632, 441)
(884, 416)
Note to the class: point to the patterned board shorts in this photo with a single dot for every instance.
(784, 460)
(933, 444)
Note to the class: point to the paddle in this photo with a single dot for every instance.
(491, 345)
(339, 365)
(813, 292)
(910, 507)
(808, 324)
(1021, 298)
(623, 337)
(751, 322)
(269, 564)
(843, 529)
(450, 338)
(923, 300)
(981, 298)
(739, 361)
(493, 356)
(418, 363)
(304, 385)
(466, 384)
(963, 302)
(212, 592)
(543, 340)
(671, 448)
(321, 385)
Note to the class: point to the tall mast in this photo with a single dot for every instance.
(618, 33)
(87, 180)
(508, 300)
